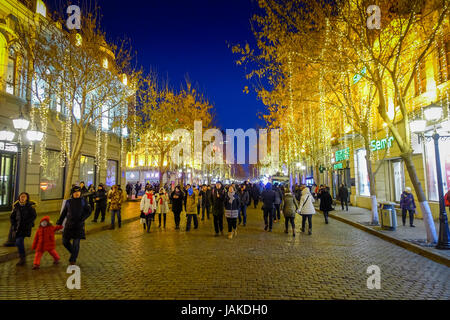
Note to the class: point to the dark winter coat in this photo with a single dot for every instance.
(76, 213)
(232, 205)
(326, 202)
(44, 240)
(268, 198)
(343, 193)
(244, 197)
(177, 203)
(206, 198)
(290, 205)
(218, 197)
(22, 218)
(407, 201)
(101, 194)
(255, 192)
(278, 195)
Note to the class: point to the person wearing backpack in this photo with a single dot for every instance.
(290, 207)
(307, 209)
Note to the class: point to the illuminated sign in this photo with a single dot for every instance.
(343, 154)
(376, 145)
(338, 166)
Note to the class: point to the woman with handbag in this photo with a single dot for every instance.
(162, 200)
(148, 207)
(307, 209)
(326, 203)
(290, 206)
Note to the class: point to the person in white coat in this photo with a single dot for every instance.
(148, 207)
(307, 209)
(162, 200)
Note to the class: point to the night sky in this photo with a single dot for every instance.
(179, 38)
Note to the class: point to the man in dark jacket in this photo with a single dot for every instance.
(205, 195)
(326, 202)
(76, 210)
(177, 198)
(100, 200)
(268, 199)
(277, 203)
(343, 196)
(22, 221)
(244, 199)
(218, 207)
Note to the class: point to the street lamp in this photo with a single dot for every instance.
(432, 114)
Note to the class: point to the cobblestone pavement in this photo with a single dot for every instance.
(167, 264)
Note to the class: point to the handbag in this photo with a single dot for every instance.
(299, 211)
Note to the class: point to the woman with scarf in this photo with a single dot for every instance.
(162, 199)
(148, 207)
(232, 205)
(191, 208)
(177, 198)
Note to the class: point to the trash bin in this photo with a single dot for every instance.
(388, 216)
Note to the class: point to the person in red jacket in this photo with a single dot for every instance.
(44, 240)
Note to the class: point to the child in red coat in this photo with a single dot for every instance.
(44, 240)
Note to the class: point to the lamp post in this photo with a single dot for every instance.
(432, 114)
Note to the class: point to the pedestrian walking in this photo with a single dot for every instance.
(343, 196)
(326, 203)
(205, 196)
(162, 201)
(148, 207)
(76, 210)
(290, 207)
(100, 201)
(407, 204)
(277, 203)
(22, 221)
(244, 199)
(191, 208)
(44, 241)
(218, 208)
(307, 209)
(268, 199)
(177, 198)
(137, 188)
(84, 190)
(116, 197)
(232, 205)
(199, 198)
(186, 188)
(91, 195)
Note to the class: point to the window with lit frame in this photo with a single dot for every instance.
(443, 55)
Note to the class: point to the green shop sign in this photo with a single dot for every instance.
(376, 145)
(338, 166)
(343, 154)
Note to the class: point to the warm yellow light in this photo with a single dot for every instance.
(41, 8)
(105, 63)
(124, 79)
(79, 40)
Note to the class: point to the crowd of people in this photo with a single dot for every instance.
(218, 200)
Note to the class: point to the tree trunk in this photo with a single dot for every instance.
(73, 161)
(424, 206)
(373, 194)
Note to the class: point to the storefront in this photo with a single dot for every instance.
(88, 170)
(111, 173)
(7, 175)
(340, 170)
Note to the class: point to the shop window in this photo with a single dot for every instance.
(363, 176)
(52, 178)
(444, 149)
(420, 79)
(11, 72)
(443, 53)
(87, 170)
(111, 173)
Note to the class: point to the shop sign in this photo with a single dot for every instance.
(338, 166)
(343, 154)
(376, 145)
(8, 147)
